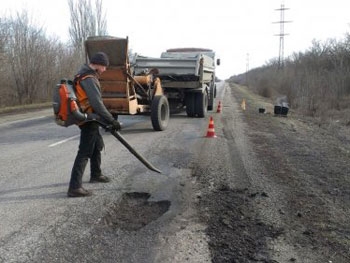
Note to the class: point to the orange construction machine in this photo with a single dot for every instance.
(123, 92)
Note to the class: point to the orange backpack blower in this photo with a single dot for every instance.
(66, 106)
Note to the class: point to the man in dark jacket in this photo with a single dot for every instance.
(91, 141)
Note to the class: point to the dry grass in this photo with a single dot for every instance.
(24, 108)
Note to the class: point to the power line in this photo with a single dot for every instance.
(247, 70)
(281, 35)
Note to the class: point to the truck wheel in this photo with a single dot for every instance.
(160, 113)
(211, 104)
(190, 109)
(211, 99)
(201, 104)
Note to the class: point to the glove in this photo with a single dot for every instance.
(116, 125)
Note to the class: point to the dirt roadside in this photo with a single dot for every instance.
(277, 189)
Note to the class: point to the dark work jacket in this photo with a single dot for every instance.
(93, 91)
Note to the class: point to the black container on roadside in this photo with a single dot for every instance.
(277, 109)
(281, 109)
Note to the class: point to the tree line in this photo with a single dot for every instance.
(314, 81)
(33, 62)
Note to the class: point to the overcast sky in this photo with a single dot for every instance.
(241, 32)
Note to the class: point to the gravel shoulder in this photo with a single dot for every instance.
(276, 189)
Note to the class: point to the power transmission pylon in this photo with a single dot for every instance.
(281, 35)
(247, 70)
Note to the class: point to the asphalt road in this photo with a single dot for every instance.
(141, 216)
(267, 189)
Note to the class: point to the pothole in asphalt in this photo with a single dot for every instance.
(134, 211)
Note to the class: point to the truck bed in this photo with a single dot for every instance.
(178, 67)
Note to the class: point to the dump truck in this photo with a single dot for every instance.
(187, 76)
(124, 93)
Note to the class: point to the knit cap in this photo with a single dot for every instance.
(100, 58)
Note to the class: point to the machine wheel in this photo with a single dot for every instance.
(201, 104)
(160, 113)
(190, 109)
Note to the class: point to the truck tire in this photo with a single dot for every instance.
(190, 109)
(160, 113)
(201, 104)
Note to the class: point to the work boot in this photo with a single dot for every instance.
(99, 179)
(79, 192)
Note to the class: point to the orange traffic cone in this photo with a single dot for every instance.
(211, 130)
(243, 104)
(219, 107)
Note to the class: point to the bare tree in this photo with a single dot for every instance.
(31, 63)
(4, 87)
(86, 20)
(26, 49)
(3, 36)
(101, 22)
(315, 82)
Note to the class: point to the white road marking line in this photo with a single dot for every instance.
(63, 141)
(23, 120)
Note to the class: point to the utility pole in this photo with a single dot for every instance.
(281, 35)
(247, 70)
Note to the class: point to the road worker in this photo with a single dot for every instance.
(91, 141)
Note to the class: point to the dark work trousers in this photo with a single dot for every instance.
(90, 147)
